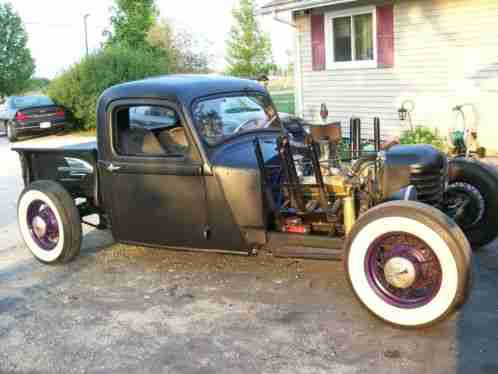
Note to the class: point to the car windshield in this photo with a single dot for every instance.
(222, 117)
(22, 102)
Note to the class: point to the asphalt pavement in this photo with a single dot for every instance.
(121, 309)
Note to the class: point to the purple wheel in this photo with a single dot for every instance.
(407, 263)
(43, 225)
(49, 222)
(403, 270)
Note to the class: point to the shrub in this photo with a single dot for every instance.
(422, 135)
(79, 87)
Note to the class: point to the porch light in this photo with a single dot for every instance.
(403, 113)
(406, 108)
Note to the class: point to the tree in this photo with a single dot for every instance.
(36, 85)
(131, 22)
(80, 86)
(186, 53)
(248, 48)
(16, 63)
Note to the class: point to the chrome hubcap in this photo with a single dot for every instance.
(39, 227)
(400, 272)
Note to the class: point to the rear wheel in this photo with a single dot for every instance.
(11, 132)
(408, 264)
(472, 199)
(49, 222)
(3, 128)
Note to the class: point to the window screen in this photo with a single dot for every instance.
(363, 28)
(342, 39)
(353, 38)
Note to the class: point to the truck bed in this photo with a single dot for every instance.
(74, 166)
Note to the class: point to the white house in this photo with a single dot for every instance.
(364, 58)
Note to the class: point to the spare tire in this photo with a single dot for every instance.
(471, 199)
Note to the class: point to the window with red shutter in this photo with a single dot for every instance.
(354, 38)
(350, 38)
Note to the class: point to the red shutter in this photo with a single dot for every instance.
(385, 36)
(318, 41)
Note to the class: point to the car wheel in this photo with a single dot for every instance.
(49, 222)
(11, 132)
(408, 264)
(3, 128)
(471, 199)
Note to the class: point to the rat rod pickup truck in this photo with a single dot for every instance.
(206, 163)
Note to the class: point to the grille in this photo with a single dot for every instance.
(430, 187)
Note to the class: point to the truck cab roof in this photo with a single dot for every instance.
(183, 89)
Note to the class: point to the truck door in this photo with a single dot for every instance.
(152, 177)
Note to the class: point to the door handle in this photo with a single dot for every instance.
(111, 168)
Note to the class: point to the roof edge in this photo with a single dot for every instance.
(297, 5)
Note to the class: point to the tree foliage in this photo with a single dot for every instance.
(16, 63)
(248, 48)
(80, 87)
(186, 53)
(36, 85)
(131, 21)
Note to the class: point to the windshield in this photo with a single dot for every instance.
(219, 118)
(22, 102)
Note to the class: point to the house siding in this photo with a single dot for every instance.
(445, 54)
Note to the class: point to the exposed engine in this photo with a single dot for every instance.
(323, 188)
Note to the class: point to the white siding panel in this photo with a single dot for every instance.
(446, 53)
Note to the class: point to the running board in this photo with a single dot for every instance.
(309, 253)
(316, 247)
(278, 239)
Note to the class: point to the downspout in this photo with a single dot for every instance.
(298, 71)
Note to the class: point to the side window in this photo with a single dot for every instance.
(149, 131)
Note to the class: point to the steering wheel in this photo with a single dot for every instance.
(245, 124)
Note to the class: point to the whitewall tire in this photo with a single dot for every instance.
(408, 264)
(49, 222)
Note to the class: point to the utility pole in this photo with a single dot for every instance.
(85, 18)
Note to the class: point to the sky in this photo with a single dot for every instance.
(56, 32)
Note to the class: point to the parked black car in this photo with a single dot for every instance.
(213, 178)
(24, 115)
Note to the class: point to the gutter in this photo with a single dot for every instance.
(294, 6)
(281, 20)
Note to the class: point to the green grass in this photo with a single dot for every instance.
(88, 133)
(284, 101)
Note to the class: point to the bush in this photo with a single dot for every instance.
(422, 135)
(79, 87)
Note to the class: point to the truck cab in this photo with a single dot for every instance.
(171, 162)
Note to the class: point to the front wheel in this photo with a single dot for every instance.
(408, 263)
(49, 222)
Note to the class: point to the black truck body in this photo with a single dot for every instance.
(141, 198)
(237, 177)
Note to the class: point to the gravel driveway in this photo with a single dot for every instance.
(120, 309)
